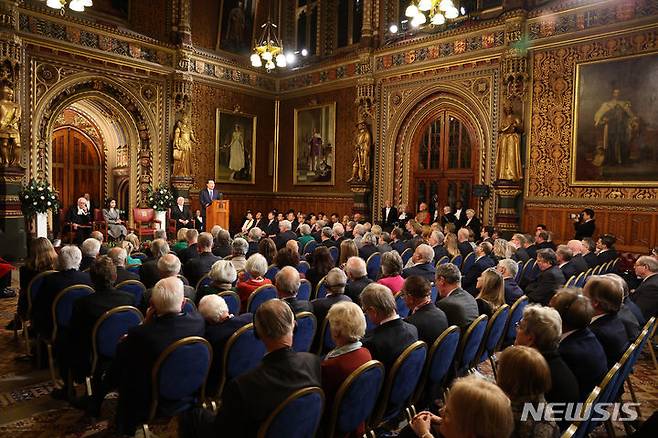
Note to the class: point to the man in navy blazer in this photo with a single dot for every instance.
(606, 297)
(579, 347)
(423, 313)
(606, 249)
(207, 195)
(460, 307)
(334, 282)
(197, 267)
(646, 294)
(287, 283)
(463, 244)
(589, 252)
(579, 262)
(508, 268)
(482, 262)
(550, 278)
(564, 256)
(423, 266)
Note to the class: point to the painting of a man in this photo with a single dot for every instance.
(617, 122)
(237, 23)
(314, 144)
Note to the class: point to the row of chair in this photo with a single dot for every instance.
(579, 280)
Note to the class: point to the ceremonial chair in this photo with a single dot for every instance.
(145, 222)
(401, 305)
(26, 321)
(304, 331)
(470, 345)
(298, 416)
(259, 296)
(468, 262)
(99, 223)
(515, 315)
(232, 301)
(243, 352)
(135, 288)
(493, 336)
(304, 292)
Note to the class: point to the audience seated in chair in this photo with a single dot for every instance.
(90, 249)
(197, 267)
(42, 257)
(391, 270)
(321, 263)
(577, 259)
(368, 246)
(222, 275)
(423, 263)
(482, 262)
(181, 240)
(520, 253)
(287, 283)
(564, 255)
(459, 306)
(255, 269)
(285, 234)
(191, 251)
(429, 320)
(148, 272)
(238, 254)
(253, 237)
(169, 266)
(508, 268)
(645, 296)
(491, 296)
(629, 312)
(118, 256)
(335, 282)
(463, 244)
(357, 276)
(589, 252)
(605, 247)
(78, 220)
(549, 280)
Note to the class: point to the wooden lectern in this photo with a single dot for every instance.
(217, 213)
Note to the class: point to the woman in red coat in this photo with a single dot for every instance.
(251, 279)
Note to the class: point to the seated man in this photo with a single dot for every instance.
(423, 263)
(508, 268)
(605, 248)
(99, 236)
(90, 249)
(220, 326)
(326, 237)
(169, 266)
(68, 275)
(250, 398)
(148, 273)
(464, 246)
(392, 335)
(423, 313)
(397, 242)
(460, 307)
(165, 324)
(520, 253)
(550, 278)
(564, 256)
(191, 251)
(181, 214)
(482, 262)
(253, 238)
(118, 256)
(287, 283)
(334, 282)
(368, 246)
(646, 294)
(589, 252)
(436, 240)
(355, 268)
(79, 217)
(579, 262)
(285, 234)
(197, 267)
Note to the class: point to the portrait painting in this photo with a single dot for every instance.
(237, 25)
(315, 139)
(235, 151)
(616, 123)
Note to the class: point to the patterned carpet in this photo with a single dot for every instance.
(27, 410)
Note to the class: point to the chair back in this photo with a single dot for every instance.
(401, 382)
(135, 288)
(373, 264)
(581, 280)
(334, 253)
(109, 329)
(406, 255)
(519, 271)
(179, 374)
(272, 270)
(303, 267)
(297, 417)
(468, 262)
(442, 261)
(62, 308)
(189, 306)
(320, 289)
(304, 332)
(259, 296)
(439, 361)
(98, 215)
(304, 292)
(470, 344)
(143, 215)
(33, 288)
(326, 343)
(133, 268)
(310, 247)
(232, 301)
(494, 334)
(356, 398)
(203, 281)
(457, 260)
(528, 268)
(434, 292)
(401, 305)
(243, 352)
(515, 315)
(138, 255)
(183, 279)
(571, 282)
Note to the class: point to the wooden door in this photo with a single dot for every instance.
(444, 160)
(77, 167)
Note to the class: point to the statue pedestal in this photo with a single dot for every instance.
(181, 185)
(12, 223)
(507, 213)
(361, 191)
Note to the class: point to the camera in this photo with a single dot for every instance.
(574, 216)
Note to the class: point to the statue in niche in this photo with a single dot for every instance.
(361, 160)
(183, 139)
(10, 137)
(508, 156)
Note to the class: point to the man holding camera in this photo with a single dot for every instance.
(584, 224)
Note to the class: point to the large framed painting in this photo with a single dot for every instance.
(315, 140)
(615, 138)
(235, 150)
(237, 25)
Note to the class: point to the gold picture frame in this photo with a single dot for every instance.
(314, 145)
(231, 129)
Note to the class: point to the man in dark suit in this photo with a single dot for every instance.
(118, 256)
(287, 283)
(584, 224)
(508, 268)
(579, 348)
(460, 214)
(472, 222)
(251, 398)
(197, 267)
(285, 234)
(436, 240)
(530, 246)
(149, 273)
(326, 237)
(357, 275)
(542, 240)
(396, 240)
(191, 251)
(389, 215)
(605, 247)
(271, 225)
(549, 280)
(207, 195)
(576, 247)
(463, 244)
(646, 294)
(423, 313)
(68, 275)
(447, 217)
(520, 254)
(79, 218)
(391, 335)
(564, 256)
(253, 238)
(589, 252)
(260, 221)
(606, 298)
(334, 282)
(459, 306)
(90, 249)
(368, 246)
(165, 324)
(181, 213)
(482, 262)
(220, 326)
(486, 234)
(423, 266)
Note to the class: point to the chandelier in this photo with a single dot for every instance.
(269, 49)
(74, 5)
(434, 11)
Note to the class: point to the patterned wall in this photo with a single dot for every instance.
(205, 19)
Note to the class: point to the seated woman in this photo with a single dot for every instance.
(305, 236)
(181, 240)
(321, 264)
(524, 376)
(391, 271)
(348, 325)
(222, 276)
(255, 268)
(501, 250)
(286, 257)
(248, 223)
(492, 292)
(115, 227)
(267, 248)
(450, 243)
(347, 249)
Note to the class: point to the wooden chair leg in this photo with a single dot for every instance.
(492, 361)
(633, 397)
(652, 352)
(26, 337)
(51, 364)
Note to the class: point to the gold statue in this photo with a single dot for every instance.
(183, 139)
(508, 159)
(361, 160)
(10, 137)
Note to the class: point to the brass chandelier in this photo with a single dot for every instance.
(74, 5)
(436, 12)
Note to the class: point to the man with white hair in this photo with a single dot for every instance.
(338, 233)
(285, 234)
(326, 235)
(287, 283)
(181, 214)
(358, 232)
(220, 326)
(168, 266)
(148, 273)
(463, 244)
(118, 256)
(69, 262)
(90, 249)
(253, 237)
(357, 275)
(436, 242)
(198, 267)
(579, 262)
(423, 267)
(508, 268)
(79, 219)
(368, 246)
(646, 294)
(334, 282)
(99, 236)
(239, 259)
(564, 256)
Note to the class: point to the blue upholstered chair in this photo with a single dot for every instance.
(320, 290)
(304, 292)
(189, 306)
(183, 279)
(519, 271)
(272, 270)
(457, 260)
(470, 345)
(493, 336)
(178, 378)
(232, 301)
(571, 282)
(355, 399)
(400, 304)
(406, 255)
(242, 353)
(304, 332)
(259, 296)
(310, 247)
(303, 266)
(133, 268)
(107, 332)
(203, 281)
(297, 417)
(582, 279)
(442, 261)
(401, 383)
(373, 264)
(468, 262)
(439, 362)
(32, 291)
(326, 343)
(135, 288)
(334, 254)
(515, 315)
(138, 255)
(529, 270)
(434, 292)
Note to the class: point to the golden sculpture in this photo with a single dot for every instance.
(508, 158)
(361, 160)
(10, 137)
(183, 139)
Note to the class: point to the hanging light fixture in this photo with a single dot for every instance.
(437, 12)
(269, 50)
(74, 5)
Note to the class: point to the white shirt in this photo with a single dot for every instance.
(210, 193)
(388, 210)
(180, 207)
(391, 318)
(458, 213)
(82, 211)
(565, 334)
(594, 318)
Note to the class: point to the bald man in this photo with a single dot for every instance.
(79, 219)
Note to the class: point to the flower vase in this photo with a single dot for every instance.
(42, 224)
(162, 217)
